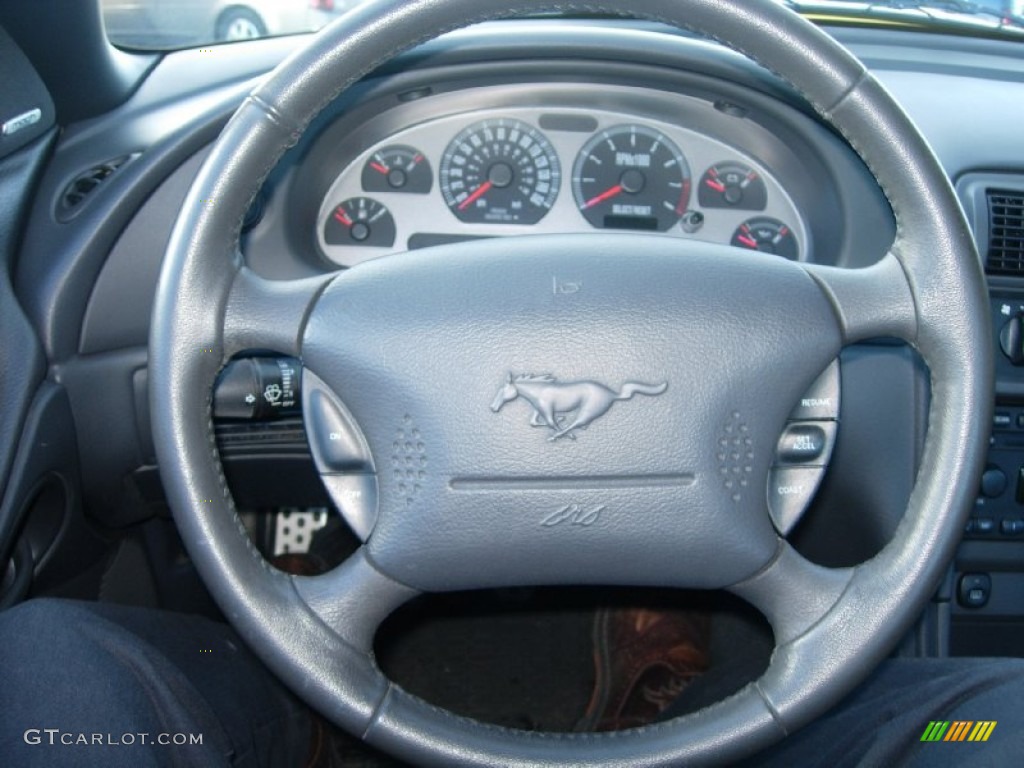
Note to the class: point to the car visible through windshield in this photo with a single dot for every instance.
(162, 24)
(166, 24)
(569, 373)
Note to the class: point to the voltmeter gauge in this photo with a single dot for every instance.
(397, 168)
(767, 235)
(360, 221)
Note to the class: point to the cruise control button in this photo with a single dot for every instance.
(337, 445)
(806, 443)
(790, 490)
(355, 496)
(821, 400)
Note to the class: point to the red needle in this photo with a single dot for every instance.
(379, 168)
(340, 216)
(715, 185)
(748, 241)
(482, 190)
(602, 197)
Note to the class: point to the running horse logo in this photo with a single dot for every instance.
(554, 401)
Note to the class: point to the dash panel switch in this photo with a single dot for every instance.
(975, 590)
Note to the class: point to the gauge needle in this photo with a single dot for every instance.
(479, 192)
(715, 185)
(340, 216)
(602, 197)
(379, 168)
(747, 241)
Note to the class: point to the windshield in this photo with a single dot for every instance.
(168, 24)
(997, 18)
(161, 24)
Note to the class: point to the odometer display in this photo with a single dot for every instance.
(631, 177)
(500, 172)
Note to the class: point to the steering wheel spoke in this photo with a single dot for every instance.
(871, 302)
(268, 314)
(792, 592)
(353, 599)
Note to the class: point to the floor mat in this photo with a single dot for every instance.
(519, 658)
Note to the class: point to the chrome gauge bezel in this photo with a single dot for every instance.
(702, 133)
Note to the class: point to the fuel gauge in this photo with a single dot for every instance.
(360, 221)
(397, 168)
(768, 236)
(732, 185)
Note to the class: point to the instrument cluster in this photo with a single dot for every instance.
(522, 169)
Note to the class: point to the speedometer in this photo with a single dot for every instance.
(631, 177)
(500, 172)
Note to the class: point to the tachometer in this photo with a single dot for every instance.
(631, 177)
(500, 172)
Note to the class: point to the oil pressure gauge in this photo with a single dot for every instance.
(732, 185)
(397, 168)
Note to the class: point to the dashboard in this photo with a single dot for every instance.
(542, 127)
(544, 159)
(520, 128)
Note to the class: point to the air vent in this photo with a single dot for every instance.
(1006, 232)
(83, 185)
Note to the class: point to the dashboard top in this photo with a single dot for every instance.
(948, 84)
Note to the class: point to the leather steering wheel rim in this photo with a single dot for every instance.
(831, 626)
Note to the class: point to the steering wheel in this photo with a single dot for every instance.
(406, 354)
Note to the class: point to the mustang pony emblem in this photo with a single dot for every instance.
(553, 401)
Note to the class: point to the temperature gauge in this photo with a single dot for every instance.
(768, 236)
(398, 168)
(732, 185)
(360, 221)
